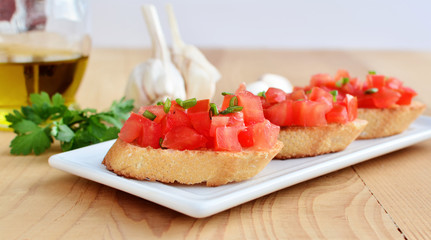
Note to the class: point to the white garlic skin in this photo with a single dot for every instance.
(150, 82)
(199, 74)
(270, 80)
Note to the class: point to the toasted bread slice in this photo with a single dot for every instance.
(312, 141)
(389, 121)
(186, 167)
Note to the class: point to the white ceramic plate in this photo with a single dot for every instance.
(201, 201)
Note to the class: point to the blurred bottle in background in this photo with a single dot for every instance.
(44, 46)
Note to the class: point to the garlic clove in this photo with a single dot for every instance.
(199, 74)
(270, 80)
(157, 78)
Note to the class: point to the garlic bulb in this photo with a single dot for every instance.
(199, 74)
(270, 80)
(157, 78)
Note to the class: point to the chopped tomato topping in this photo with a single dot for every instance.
(201, 106)
(377, 91)
(315, 107)
(184, 138)
(252, 107)
(241, 125)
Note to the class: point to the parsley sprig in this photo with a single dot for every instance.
(48, 118)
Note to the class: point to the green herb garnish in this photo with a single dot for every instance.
(233, 101)
(342, 82)
(167, 105)
(231, 109)
(226, 93)
(214, 109)
(371, 90)
(334, 94)
(186, 103)
(161, 142)
(149, 115)
(372, 72)
(261, 94)
(48, 118)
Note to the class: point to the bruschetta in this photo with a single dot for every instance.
(312, 122)
(383, 101)
(192, 142)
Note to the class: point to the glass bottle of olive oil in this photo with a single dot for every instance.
(24, 72)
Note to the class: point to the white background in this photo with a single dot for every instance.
(308, 24)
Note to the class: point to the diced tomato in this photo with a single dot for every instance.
(393, 83)
(150, 134)
(226, 101)
(218, 121)
(351, 104)
(252, 107)
(201, 122)
(407, 95)
(176, 107)
(341, 73)
(241, 88)
(132, 128)
(265, 135)
(338, 114)
(245, 137)
(201, 106)
(280, 114)
(235, 119)
(322, 79)
(156, 110)
(176, 118)
(184, 138)
(385, 97)
(319, 95)
(226, 139)
(309, 113)
(375, 81)
(366, 101)
(275, 95)
(298, 95)
(353, 87)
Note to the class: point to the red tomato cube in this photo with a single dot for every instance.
(265, 135)
(201, 122)
(338, 114)
(280, 114)
(150, 134)
(184, 138)
(226, 139)
(252, 107)
(275, 95)
(132, 128)
(173, 119)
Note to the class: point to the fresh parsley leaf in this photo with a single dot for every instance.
(64, 133)
(48, 118)
(31, 138)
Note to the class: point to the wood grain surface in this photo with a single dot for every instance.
(384, 198)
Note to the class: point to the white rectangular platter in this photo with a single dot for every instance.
(201, 201)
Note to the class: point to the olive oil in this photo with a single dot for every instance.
(51, 72)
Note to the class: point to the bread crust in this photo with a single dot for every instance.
(389, 121)
(312, 141)
(188, 166)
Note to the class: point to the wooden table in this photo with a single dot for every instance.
(388, 197)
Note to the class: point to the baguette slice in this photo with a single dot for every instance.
(312, 141)
(186, 167)
(389, 121)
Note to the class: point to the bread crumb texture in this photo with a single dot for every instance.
(312, 141)
(389, 121)
(186, 167)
